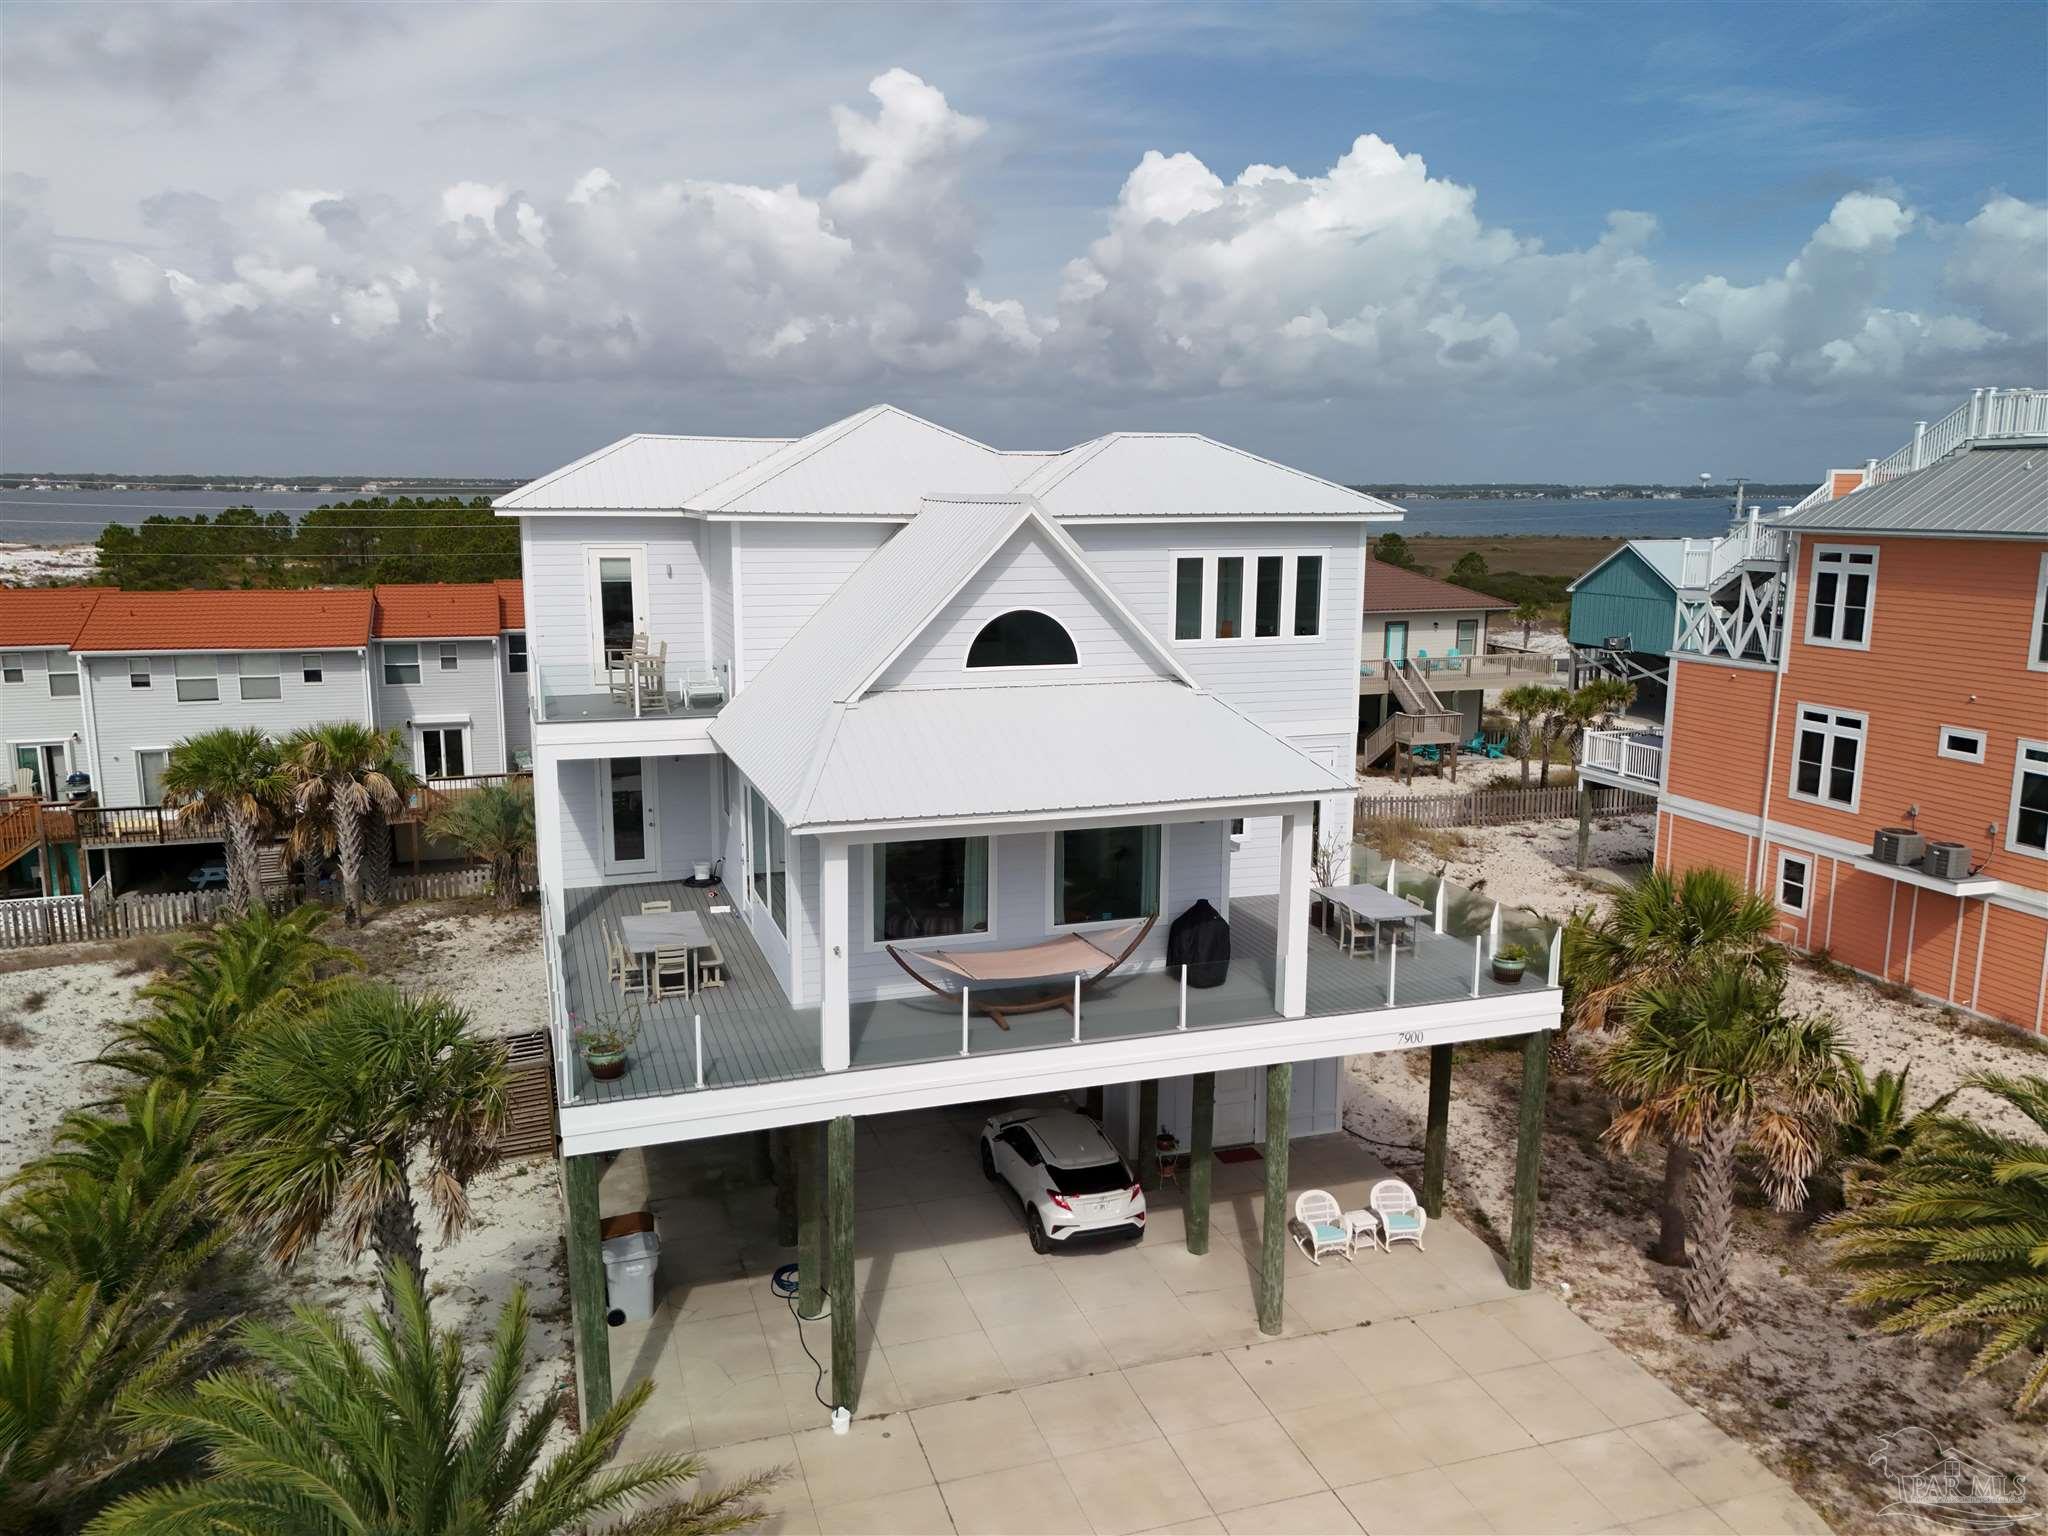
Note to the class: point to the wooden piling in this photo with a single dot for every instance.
(810, 1222)
(1201, 1139)
(1528, 1156)
(1148, 1134)
(1437, 1131)
(587, 1302)
(845, 1309)
(1273, 1251)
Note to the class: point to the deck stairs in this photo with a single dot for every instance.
(1421, 720)
(21, 828)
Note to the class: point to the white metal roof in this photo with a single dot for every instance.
(879, 463)
(1183, 474)
(875, 464)
(646, 472)
(935, 754)
(822, 748)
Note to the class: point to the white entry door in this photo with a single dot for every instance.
(631, 840)
(1240, 1106)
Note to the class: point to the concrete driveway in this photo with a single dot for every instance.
(1129, 1389)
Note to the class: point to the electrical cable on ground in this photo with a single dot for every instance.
(818, 1385)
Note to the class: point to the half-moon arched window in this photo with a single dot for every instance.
(1022, 637)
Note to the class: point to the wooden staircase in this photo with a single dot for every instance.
(21, 828)
(1421, 720)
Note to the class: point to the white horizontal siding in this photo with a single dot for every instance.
(684, 812)
(1024, 573)
(558, 625)
(126, 718)
(28, 712)
(472, 691)
(1436, 633)
(785, 571)
(1255, 864)
(1276, 682)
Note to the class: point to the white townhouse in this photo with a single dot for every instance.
(104, 683)
(936, 712)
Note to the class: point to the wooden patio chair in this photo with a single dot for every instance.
(671, 963)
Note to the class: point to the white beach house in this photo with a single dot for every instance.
(953, 723)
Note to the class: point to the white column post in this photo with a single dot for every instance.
(1290, 982)
(836, 1046)
(547, 837)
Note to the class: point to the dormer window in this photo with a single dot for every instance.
(1023, 637)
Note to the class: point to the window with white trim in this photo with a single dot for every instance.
(1102, 874)
(515, 650)
(450, 656)
(1843, 592)
(1795, 883)
(1023, 637)
(401, 664)
(444, 751)
(2037, 637)
(1256, 595)
(1960, 743)
(198, 679)
(311, 669)
(2027, 820)
(1827, 762)
(931, 888)
(63, 675)
(11, 667)
(261, 675)
(138, 671)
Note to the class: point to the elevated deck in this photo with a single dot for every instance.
(751, 1035)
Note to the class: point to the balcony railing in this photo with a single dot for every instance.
(1637, 756)
(566, 694)
(1705, 562)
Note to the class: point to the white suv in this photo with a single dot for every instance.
(1071, 1180)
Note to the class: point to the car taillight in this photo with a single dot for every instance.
(1137, 1191)
(1058, 1199)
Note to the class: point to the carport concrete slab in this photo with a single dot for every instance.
(1128, 1387)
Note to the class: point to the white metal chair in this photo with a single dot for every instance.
(1401, 1215)
(1319, 1225)
(704, 683)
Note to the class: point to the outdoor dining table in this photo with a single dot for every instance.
(1373, 903)
(646, 932)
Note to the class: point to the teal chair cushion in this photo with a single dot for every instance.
(1401, 1221)
(1325, 1233)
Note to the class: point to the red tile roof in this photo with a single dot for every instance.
(511, 603)
(285, 619)
(44, 616)
(1391, 589)
(437, 611)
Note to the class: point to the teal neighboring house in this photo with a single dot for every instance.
(1625, 613)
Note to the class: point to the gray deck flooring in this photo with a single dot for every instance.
(751, 1035)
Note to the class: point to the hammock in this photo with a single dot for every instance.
(1047, 969)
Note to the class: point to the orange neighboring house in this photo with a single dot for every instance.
(1858, 725)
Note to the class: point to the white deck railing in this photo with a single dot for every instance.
(1635, 755)
(1705, 562)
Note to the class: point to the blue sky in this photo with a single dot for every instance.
(1579, 241)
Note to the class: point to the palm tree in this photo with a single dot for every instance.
(1557, 713)
(1607, 697)
(492, 822)
(1716, 1063)
(230, 778)
(116, 1205)
(1528, 614)
(340, 773)
(331, 1439)
(237, 977)
(1662, 931)
(1878, 1132)
(1954, 1237)
(1525, 701)
(321, 1117)
(71, 1370)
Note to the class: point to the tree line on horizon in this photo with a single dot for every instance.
(357, 543)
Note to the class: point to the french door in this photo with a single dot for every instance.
(631, 843)
(1397, 640)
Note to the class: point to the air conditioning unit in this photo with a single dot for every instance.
(1898, 845)
(1947, 861)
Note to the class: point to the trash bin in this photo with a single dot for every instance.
(629, 1264)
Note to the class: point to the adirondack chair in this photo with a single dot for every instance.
(1319, 1225)
(1497, 748)
(1401, 1215)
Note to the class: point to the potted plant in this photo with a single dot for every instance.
(1509, 961)
(605, 1039)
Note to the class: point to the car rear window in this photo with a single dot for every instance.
(1095, 1179)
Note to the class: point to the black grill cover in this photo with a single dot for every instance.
(1200, 940)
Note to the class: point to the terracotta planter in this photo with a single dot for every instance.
(1508, 972)
(605, 1065)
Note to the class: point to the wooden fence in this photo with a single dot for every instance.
(1502, 807)
(33, 920)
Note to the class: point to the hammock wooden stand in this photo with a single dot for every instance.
(971, 968)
